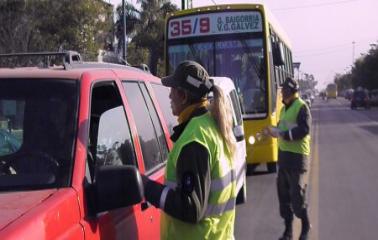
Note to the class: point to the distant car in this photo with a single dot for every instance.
(374, 97)
(348, 94)
(307, 99)
(360, 98)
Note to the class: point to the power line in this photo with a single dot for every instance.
(214, 2)
(331, 49)
(327, 48)
(314, 5)
(320, 53)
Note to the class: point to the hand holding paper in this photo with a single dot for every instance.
(272, 131)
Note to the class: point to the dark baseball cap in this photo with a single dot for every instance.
(291, 84)
(190, 76)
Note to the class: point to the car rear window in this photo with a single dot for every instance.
(37, 128)
(359, 94)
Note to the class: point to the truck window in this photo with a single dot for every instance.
(11, 125)
(151, 134)
(110, 140)
(37, 129)
(162, 95)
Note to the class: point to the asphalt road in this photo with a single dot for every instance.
(343, 180)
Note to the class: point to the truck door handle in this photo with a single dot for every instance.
(144, 205)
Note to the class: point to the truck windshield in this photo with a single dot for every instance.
(37, 123)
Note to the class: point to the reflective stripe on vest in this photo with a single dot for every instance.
(220, 183)
(223, 182)
(217, 185)
(218, 209)
(211, 210)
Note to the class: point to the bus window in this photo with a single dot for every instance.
(247, 58)
(199, 52)
(245, 66)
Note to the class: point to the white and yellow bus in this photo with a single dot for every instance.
(331, 91)
(242, 42)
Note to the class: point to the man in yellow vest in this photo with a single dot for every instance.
(293, 133)
(198, 197)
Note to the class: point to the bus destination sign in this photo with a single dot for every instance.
(214, 23)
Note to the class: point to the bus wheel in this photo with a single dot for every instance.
(272, 167)
(251, 168)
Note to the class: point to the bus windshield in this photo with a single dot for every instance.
(241, 59)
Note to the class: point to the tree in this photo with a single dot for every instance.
(147, 30)
(18, 26)
(31, 26)
(81, 25)
(364, 72)
(307, 83)
(343, 81)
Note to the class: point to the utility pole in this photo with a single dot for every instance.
(353, 52)
(185, 4)
(124, 50)
(296, 65)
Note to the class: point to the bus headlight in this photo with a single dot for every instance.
(251, 140)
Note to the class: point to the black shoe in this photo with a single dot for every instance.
(286, 237)
(305, 233)
(288, 233)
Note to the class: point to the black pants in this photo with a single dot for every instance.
(291, 187)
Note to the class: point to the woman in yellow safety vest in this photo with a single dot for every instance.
(198, 197)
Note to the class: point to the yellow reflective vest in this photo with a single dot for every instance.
(219, 219)
(288, 120)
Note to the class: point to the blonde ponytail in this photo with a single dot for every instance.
(221, 111)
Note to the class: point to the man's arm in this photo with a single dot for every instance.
(188, 200)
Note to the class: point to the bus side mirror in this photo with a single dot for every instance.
(278, 54)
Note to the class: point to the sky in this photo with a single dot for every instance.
(327, 36)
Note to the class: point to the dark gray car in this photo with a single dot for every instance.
(360, 99)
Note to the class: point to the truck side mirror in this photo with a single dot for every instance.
(117, 187)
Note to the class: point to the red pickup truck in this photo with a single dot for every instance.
(73, 141)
